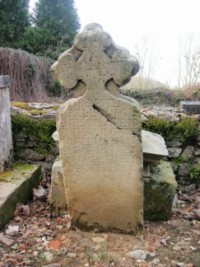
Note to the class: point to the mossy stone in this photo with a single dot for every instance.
(159, 192)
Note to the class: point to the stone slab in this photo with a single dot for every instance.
(6, 146)
(16, 186)
(159, 192)
(190, 107)
(153, 145)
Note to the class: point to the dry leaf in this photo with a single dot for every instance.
(54, 244)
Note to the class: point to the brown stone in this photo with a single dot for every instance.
(100, 134)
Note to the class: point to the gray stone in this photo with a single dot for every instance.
(57, 192)
(184, 169)
(16, 186)
(174, 152)
(174, 166)
(159, 192)
(4, 81)
(137, 254)
(187, 153)
(6, 146)
(30, 154)
(6, 240)
(12, 230)
(153, 146)
(174, 143)
(197, 152)
(190, 107)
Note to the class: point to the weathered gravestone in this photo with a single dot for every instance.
(5, 124)
(99, 134)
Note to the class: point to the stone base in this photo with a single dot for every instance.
(159, 192)
(57, 197)
(16, 186)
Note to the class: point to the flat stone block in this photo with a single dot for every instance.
(153, 144)
(159, 192)
(16, 187)
(190, 107)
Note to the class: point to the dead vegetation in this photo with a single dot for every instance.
(29, 75)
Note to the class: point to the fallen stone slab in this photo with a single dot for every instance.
(16, 186)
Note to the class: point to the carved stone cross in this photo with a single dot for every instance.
(94, 60)
(100, 171)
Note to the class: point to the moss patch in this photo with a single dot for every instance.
(17, 187)
(159, 192)
(39, 130)
(14, 172)
(31, 110)
(187, 128)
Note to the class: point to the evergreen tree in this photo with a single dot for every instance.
(56, 24)
(14, 19)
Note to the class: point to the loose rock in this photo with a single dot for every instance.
(137, 254)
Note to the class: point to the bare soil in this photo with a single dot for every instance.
(46, 240)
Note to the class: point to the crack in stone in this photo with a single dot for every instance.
(109, 118)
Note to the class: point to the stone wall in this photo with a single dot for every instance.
(32, 140)
(36, 146)
(185, 161)
(182, 135)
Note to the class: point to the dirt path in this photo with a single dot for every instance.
(38, 240)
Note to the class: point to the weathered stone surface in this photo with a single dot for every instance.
(184, 169)
(197, 152)
(174, 152)
(6, 240)
(57, 193)
(99, 134)
(187, 153)
(153, 146)
(30, 154)
(159, 192)
(173, 143)
(16, 187)
(5, 124)
(190, 107)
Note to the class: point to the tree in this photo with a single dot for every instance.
(14, 19)
(145, 52)
(189, 61)
(55, 26)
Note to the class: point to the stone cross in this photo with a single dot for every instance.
(99, 134)
(5, 124)
(93, 66)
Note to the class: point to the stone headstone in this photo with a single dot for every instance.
(5, 124)
(99, 134)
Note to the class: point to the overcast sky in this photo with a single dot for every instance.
(129, 20)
